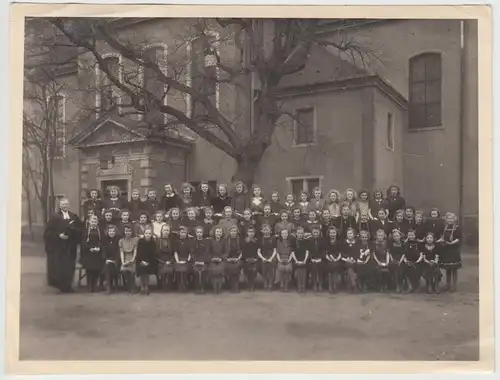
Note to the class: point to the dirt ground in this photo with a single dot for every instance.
(259, 326)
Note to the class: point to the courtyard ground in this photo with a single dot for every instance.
(259, 326)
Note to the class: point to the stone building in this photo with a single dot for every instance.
(408, 119)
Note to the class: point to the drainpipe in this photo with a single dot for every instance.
(461, 122)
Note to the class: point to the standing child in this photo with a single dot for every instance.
(408, 221)
(246, 222)
(283, 224)
(249, 250)
(266, 218)
(146, 259)
(450, 258)
(174, 221)
(381, 223)
(136, 205)
(217, 258)
(111, 251)
(419, 226)
(92, 254)
(326, 222)
(124, 221)
(381, 257)
(208, 223)
(363, 204)
(114, 203)
(86, 220)
(240, 201)
(257, 202)
(396, 253)
(311, 223)
(201, 259)
(289, 202)
(317, 203)
(332, 203)
(434, 224)
(166, 258)
(350, 199)
(221, 201)
(187, 198)
(297, 220)
(317, 253)
(106, 221)
(93, 202)
(333, 256)
(300, 258)
(228, 221)
(398, 223)
(303, 203)
(190, 222)
(233, 259)
(275, 203)
(346, 221)
(128, 253)
(394, 201)
(377, 203)
(364, 222)
(350, 256)
(170, 199)
(267, 254)
(140, 227)
(203, 197)
(284, 248)
(432, 273)
(412, 259)
(159, 222)
(364, 265)
(151, 204)
(182, 254)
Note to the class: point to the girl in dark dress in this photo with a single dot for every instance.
(106, 221)
(146, 259)
(297, 220)
(397, 224)
(332, 203)
(364, 265)
(345, 222)
(165, 251)
(376, 203)
(317, 254)
(124, 221)
(396, 252)
(419, 226)
(380, 223)
(317, 203)
(190, 222)
(434, 224)
(233, 259)
(208, 222)
(220, 201)
(249, 250)
(394, 201)
(217, 259)
(312, 223)
(151, 204)
(170, 199)
(182, 253)
(93, 202)
(114, 203)
(283, 224)
(450, 258)
(257, 202)
(203, 198)
(284, 247)
(432, 273)
(142, 225)
(303, 203)
(201, 259)
(333, 253)
(408, 221)
(300, 258)
(267, 254)
(381, 257)
(276, 205)
(240, 200)
(92, 255)
(289, 204)
(246, 222)
(266, 218)
(187, 198)
(413, 260)
(112, 264)
(350, 256)
(174, 221)
(135, 205)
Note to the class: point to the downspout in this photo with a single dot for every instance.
(461, 123)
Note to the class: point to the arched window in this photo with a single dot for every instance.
(425, 91)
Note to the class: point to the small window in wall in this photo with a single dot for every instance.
(297, 185)
(304, 126)
(390, 132)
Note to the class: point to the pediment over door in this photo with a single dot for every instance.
(107, 132)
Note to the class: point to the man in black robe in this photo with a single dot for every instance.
(62, 236)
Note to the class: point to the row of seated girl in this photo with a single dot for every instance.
(240, 200)
(355, 259)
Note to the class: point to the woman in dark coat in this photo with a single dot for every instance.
(333, 254)
(111, 253)
(92, 254)
(203, 198)
(165, 251)
(220, 201)
(395, 201)
(182, 252)
(170, 198)
(146, 259)
(200, 258)
(233, 259)
(61, 237)
(267, 255)
(249, 251)
(93, 202)
(413, 261)
(396, 252)
(135, 206)
(217, 259)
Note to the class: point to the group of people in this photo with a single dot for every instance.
(197, 239)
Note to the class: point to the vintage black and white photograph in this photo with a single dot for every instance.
(292, 189)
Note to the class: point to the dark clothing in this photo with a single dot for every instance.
(140, 228)
(169, 202)
(298, 223)
(316, 248)
(420, 230)
(436, 226)
(111, 249)
(380, 251)
(431, 252)
(257, 205)
(289, 206)
(175, 226)
(396, 251)
(207, 227)
(185, 203)
(233, 247)
(203, 200)
(244, 225)
(394, 204)
(310, 225)
(343, 224)
(377, 224)
(325, 226)
(406, 225)
(333, 248)
(104, 225)
(92, 260)
(120, 228)
(249, 248)
(61, 254)
(412, 250)
(151, 206)
(364, 226)
(219, 203)
(240, 202)
(450, 257)
(218, 248)
(146, 251)
(93, 204)
(165, 249)
(191, 225)
(183, 248)
(350, 249)
(300, 248)
(201, 250)
(276, 207)
(267, 246)
(376, 205)
(267, 219)
(135, 206)
(115, 206)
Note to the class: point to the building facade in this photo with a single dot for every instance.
(410, 119)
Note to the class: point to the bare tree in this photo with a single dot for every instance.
(269, 51)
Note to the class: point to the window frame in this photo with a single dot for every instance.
(296, 126)
(424, 56)
(98, 73)
(189, 79)
(64, 131)
(304, 180)
(390, 142)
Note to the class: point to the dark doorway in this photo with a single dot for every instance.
(122, 184)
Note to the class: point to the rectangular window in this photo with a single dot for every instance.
(57, 115)
(155, 89)
(108, 94)
(390, 132)
(304, 126)
(204, 73)
(307, 184)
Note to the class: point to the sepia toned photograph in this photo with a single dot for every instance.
(250, 189)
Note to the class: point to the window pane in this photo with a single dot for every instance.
(433, 92)
(432, 66)
(417, 69)
(311, 184)
(390, 131)
(417, 117)
(433, 115)
(417, 95)
(305, 126)
(297, 187)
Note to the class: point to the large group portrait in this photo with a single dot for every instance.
(231, 184)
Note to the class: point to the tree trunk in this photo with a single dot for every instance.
(246, 170)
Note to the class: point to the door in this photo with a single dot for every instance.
(122, 184)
